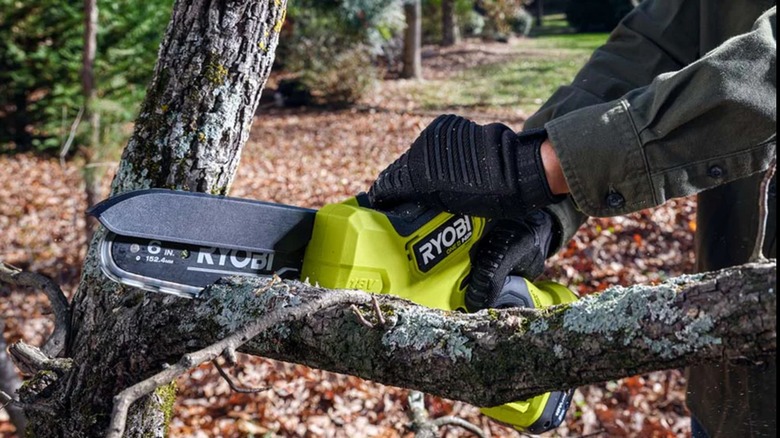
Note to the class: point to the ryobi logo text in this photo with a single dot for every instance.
(242, 261)
(435, 247)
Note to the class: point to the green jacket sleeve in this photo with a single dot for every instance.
(657, 37)
(655, 45)
(706, 124)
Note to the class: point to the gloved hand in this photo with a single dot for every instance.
(461, 167)
(511, 247)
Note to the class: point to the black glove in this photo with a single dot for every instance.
(517, 247)
(461, 167)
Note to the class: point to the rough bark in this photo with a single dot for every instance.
(450, 30)
(10, 383)
(213, 63)
(412, 55)
(493, 357)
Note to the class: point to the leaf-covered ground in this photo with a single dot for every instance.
(310, 157)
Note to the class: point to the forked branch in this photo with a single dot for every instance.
(126, 398)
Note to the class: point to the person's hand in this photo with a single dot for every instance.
(461, 167)
(511, 247)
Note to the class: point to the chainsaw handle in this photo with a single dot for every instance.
(515, 293)
(519, 292)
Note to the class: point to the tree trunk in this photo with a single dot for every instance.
(539, 12)
(412, 55)
(90, 48)
(20, 135)
(214, 61)
(450, 30)
(91, 183)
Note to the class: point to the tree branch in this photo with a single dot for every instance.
(424, 427)
(763, 213)
(9, 383)
(30, 360)
(55, 345)
(233, 386)
(491, 358)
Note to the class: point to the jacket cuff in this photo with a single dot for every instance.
(603, 160)
(568, 220)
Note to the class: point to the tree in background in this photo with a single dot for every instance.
(537, 6)
(92, 139)
(449, 29)
(412, 68)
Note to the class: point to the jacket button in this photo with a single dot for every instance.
(616, 200)
(716, 172)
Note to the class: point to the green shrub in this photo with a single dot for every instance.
(343, 79)
(40, 58)
(41, 45)
(504, 18)
(522, 22)
(473, 23)
(331, 46)
(597, 15)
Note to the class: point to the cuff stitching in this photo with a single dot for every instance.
(626, 107)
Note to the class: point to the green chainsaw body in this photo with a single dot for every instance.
(425, 260)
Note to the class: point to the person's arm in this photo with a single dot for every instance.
(709, 123)
(659, 36)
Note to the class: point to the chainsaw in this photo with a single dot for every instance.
(180, 242)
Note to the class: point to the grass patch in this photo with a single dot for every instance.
(587, 42)
(554, 24)
(521, 83)
(524, 83)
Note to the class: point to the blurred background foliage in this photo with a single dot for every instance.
(41, 45)
(330, 53)
(331, 48)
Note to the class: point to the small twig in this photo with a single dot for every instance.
(361, 319)
(763, 214)
(230, 357)
(378, 310)
(103, 164)
(459, 422)
(233, 385)
(421, 425)
(126, 398)
(6, 400)
(30, 359)
(424, 427)
(71, 136)
(9, 384)
(274, 281)
(55, 345)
